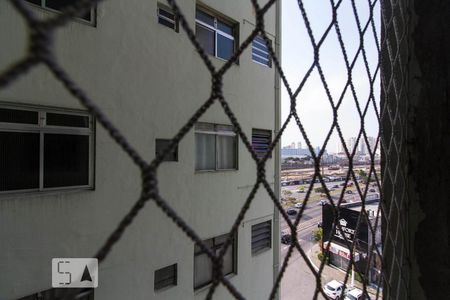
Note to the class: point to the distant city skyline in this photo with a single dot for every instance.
(312, 102)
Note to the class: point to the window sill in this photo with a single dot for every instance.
(206, 287)
(46, 192)
(215, 171)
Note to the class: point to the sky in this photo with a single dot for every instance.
(313, 105)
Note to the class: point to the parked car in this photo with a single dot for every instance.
(372, 190)
(291, 212)
(349, 192)
(335, 186)
(319, 224)
(355, 294)
(322, 202)
(298, 205)
(333, 289)
(286, 238)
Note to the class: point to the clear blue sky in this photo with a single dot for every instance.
(297, 56)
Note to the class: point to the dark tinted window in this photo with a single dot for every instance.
(18, 116)
(60, 5)
(67, 120)
(66, 160)
(204, 17)
(161, 145)
(165, 277)
(19, 161)
(167, 18)
(225, 47)
(206, 38)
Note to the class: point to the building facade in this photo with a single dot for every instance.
(65, 184)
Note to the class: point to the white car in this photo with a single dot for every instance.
(298, 205)
(333, 289)
(355, 294)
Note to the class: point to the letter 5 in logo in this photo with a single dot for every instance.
(74, 272)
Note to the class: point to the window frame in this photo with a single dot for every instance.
(269, 63)
(218, 18)
(217, 133)
(173, 268)
(215, 248)
(261, 250)
(174, 152)
(258, 130)
(175, 21)
(41, 128)
(93, 12)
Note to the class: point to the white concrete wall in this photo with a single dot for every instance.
(149, 80)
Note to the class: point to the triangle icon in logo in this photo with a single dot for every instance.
(86, 275)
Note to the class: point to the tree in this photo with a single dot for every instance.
(319, 189)
(318, 234)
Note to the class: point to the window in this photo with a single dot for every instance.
(165, 277)
(60, 5)
(43, 149)
(216, 147)
(167, 18)
(161, 145)
(260, 51)
(203, 267)
(261, 237)
(261, 140)
(215, 35)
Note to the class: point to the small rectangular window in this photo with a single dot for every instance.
(165, 277)
(167, 18)
(215, 35)
(261, 140)
(216, 147)
(261, 237)
(18, 116)
(55, 152)
(260, 51)
(67, 120)
(161, 146)
(60, 5)
(203, 265)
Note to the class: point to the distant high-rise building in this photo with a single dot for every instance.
(293, 145)
(299, 145)
(351, 144)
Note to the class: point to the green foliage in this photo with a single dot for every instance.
(318, 234)
(319, 189)
(322, 256)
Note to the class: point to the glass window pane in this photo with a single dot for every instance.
(205, 147)
(204, 17)
(37, 2)
(225, 27)
(19, 161)
(202, 270)
(61, 4)
(225, 47)
(19, 116)
(206, 38)
(166, 13)
(166, 23)
(228, 260)
(226, 152)
(66, 160)
(67, 120)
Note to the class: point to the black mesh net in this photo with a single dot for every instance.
(393, 24)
